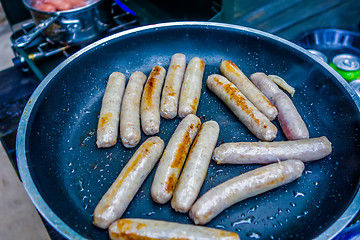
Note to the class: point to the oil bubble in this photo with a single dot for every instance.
(253, 234)
(247, 220)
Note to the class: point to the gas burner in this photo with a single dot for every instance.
(42, 55)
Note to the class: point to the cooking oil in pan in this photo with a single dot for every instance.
(247, 220)
(253, 234)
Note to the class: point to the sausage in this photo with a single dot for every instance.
(244, 186)
(172, 86)
(254, 95)
(265, 85)
(306, 150)
(132, 228)
(191, 87)
(61, 5)
(172, 161)
(130, 131)
(117, 198)
(77, 3)
(247, 113)
(290, 120)
(108, 125)
(196, 166)
(150, 101)
(45, 7)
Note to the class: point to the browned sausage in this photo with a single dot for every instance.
(108, 124)
(247, 113)
(191, 87)
(196, 167)
(150, 101)
(172, 161)
(118, 197)
(254, 95)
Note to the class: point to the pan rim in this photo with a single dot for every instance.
(65, 229)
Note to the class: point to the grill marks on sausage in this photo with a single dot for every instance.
(117, 198)
(247, 113)
(194, 104)
(105, 119)
(151, 85)
(134, 229)
(125, 224)
(170, 184)
(202, 65)
(144, 152)
(240, 101)
(231, 67)
(170, 91)
(184, 145)
(181, 151)
(254, 95)
(195, 140)
(126, 230)
(180, 157)
(130, 236)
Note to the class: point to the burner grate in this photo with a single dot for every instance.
(42, 55)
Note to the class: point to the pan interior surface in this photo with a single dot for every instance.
(71, 175)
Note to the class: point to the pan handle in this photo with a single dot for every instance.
(26, 39)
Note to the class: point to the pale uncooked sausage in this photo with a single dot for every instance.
(244, 186)
(171, 91)
(191, 87)
(130, 130)
(290, 120)
(306, 150)
(108, 125)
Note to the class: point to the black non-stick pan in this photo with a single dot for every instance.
(66, 175)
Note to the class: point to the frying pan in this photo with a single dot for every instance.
(66, 175)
